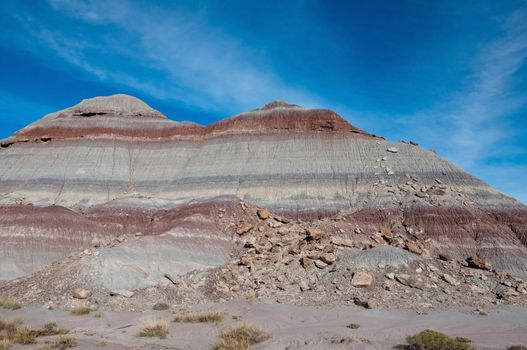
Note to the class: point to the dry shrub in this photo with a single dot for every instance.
(9, 303)
(49, 329)
(81, 309)
(5, 344)
(64, 342)
(18, 333)
(200, 316)
(155, 328)
(241, 338)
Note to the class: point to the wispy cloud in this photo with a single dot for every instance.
(478, 124)
(200, 64)
(480, 115)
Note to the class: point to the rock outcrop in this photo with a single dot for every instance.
(144, 196)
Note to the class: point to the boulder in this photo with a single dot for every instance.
(263, 214)
(451, 280)
(478, 263)
(478, 289)
(243, 227)
(283, 231)
(81, 293)
(303, 285)
(342, 242)
(328, 258)
(361, 278)
(392, 150)
(377, 237)
(275, 224)
(320, 264)
(413, 248)
(306, 262)
(410, 281)
(390, 275)
(522, 288)
(315, 234)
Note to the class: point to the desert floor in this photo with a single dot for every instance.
(291, 327)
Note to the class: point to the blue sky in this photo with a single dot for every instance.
(450, 75)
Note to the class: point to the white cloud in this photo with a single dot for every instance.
(477, 125)
(202, 65)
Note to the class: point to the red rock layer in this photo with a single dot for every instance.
(265, 121)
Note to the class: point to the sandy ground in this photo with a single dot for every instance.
(291, 327)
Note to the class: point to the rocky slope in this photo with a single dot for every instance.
(144, 197)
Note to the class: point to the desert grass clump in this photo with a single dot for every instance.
(241, 338)
(49, 329)
(81, 309)
(64, 342)
(155, 328)
(432, 340)
(200, 316)
(517, 347)
(6, 344)
(9, 303)
(18, 333)
(2, 324)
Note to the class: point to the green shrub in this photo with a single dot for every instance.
(432, 340)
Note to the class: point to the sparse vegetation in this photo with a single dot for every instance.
(237, 317)
(18, 333)
(432, 340)
(155, 328)
(241, 338)
(9, 303)
(64, 342)
(50, 328)
(200, 316)
(353, 326)
(97, 315)
(5, 344)
(81, 309)
(517, 347)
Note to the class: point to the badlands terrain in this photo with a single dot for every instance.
(288, 219)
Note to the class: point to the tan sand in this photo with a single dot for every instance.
(292, 327)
